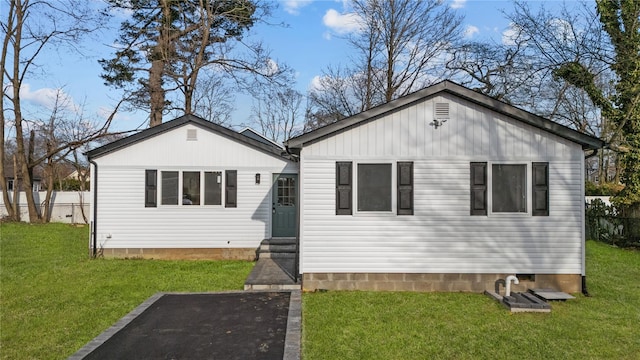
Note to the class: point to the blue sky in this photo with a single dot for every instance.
(311, 41)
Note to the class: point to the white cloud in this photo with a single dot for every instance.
(470, 31)
(511, 34)
(316, 83)
(341, 23)
(271, 67)
(458, 4)
(293, 6)
(562, 29)
(48, 98)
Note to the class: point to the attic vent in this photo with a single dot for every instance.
(192, 135)
(442, 111)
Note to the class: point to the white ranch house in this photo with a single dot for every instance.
(442, 190)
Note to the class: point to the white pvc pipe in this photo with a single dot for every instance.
(508, 284)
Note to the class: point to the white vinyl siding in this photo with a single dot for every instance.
(442, 236)
(125, 222)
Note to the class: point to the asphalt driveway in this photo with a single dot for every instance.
(230, 325)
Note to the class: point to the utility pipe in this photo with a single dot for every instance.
(508, 285)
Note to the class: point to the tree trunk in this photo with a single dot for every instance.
(156, 92)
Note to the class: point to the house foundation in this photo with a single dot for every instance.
(569, 283)
(248, 254)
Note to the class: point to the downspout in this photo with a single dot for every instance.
(94, 233)
(583, 284)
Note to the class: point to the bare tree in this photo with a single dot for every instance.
(278, 112)
(28, 28)
(398, 49)
(580, 68)
(213, 98)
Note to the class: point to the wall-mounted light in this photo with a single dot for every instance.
(437, 123)
(258, 179)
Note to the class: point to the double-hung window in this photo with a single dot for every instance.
(374, 188)
(506, 188)
(190, 188)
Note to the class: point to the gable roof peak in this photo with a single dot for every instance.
(455, 89)
(176, 123)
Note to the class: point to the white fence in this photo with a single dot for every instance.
(66, 206)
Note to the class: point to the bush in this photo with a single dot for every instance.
(606, 189)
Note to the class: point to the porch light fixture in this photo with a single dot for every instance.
(258, 179)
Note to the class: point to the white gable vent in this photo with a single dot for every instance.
(192, 135)
(441, 111)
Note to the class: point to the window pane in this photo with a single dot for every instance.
(509, 188)
(286, 191)
(374, 187)
(169, 188)
(191, 188)
(213, 188)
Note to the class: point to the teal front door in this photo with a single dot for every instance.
(284, 205)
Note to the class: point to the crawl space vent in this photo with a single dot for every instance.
(192, 134)
(441, 111)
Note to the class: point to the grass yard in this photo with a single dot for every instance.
(53, 299)
(374, 325)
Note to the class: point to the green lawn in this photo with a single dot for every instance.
(53, 299)
(368, 325)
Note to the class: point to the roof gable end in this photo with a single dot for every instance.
(446, 86)
(179, 122)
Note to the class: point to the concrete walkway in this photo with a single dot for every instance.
(272, 274)
(229, 325)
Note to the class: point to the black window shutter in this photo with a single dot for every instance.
(478, 188)
(151, 188)
(344, 182)
(231, 189)
(405, 188)
(540, 181)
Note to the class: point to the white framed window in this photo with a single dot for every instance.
(500, 188)
(374, 187)
(190, 188)
(509, 190)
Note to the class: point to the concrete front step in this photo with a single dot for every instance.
(276, 255)
(280, 241)
(278, 248)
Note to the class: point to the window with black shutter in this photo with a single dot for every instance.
(344, 183)
(478, 188)
(405, 188)
(151, 188)
(540, 181)
(231, 189)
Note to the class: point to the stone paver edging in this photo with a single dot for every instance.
(292, 336)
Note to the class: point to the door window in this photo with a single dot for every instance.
(286, 188)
